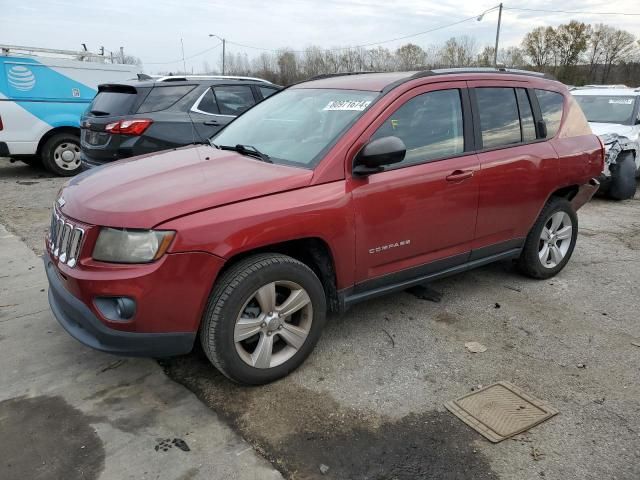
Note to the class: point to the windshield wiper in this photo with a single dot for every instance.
(249, 150)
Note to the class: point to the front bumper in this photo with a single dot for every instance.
(83, 325)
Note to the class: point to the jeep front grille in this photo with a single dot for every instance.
(65, 239)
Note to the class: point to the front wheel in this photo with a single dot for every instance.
(623, 177)
(551, 241)
(264, 317)
(61, 154)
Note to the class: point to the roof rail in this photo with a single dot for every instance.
(343, 74)
(461, 70)
(21, 50)
(619, 85)
(182, 78)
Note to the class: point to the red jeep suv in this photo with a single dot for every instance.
(328, 193)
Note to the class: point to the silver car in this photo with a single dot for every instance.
(614, 115)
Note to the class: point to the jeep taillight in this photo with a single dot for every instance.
(129, 127)
(1, 125)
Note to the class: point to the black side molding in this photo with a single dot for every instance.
(357, 294)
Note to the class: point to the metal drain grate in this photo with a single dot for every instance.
(500, 411)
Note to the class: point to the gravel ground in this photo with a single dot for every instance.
(368, 403)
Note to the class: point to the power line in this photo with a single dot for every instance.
(186, 58)
(572, 12)
(441, 27)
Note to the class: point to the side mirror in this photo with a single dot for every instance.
(542, 128)
(378, 153)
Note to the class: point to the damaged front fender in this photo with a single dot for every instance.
(614, 145)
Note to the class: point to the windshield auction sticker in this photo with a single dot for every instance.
(353, 105)
(619, 101)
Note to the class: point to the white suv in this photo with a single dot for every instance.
(614, 115)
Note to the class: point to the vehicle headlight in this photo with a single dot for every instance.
(120, 245)
(608, 138)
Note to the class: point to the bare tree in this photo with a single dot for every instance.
(410, 57)
(571, 42)
(379, 60)
(511, 57)
(616, 45)
(287, 67)
(539, 46)
(595, 49)
(459, 51)
(485, 57)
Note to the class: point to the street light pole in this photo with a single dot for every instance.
(224, 44)
(495, 52)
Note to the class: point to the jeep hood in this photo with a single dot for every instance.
(142, 192)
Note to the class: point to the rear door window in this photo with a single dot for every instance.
(526, 116)
(161, 98)
(499, 120)
(108, 102)
(551, 108)
(430, 125)
(234, 99)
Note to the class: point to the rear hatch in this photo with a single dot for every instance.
(111, 104)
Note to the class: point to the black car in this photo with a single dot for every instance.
(143, 116)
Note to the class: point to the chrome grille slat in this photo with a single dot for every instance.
(65, 239)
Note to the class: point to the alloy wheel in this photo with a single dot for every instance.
(555, 239)
(273, 324)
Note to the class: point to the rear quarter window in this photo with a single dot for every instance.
(161, 98)
(551, 104)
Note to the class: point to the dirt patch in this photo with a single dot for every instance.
(73, 452)
(299, 430)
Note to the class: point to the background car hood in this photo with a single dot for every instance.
(617, 128)
(145, 191)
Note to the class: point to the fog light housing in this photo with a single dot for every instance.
(116, 309)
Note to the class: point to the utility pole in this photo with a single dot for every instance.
(121, 54)
(184, 65)
(495, 53)
(224, 44)
(223, 55)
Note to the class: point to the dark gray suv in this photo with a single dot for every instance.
(143, 116)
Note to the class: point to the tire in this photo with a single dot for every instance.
(623, 177)
(245, 289)
(537, 262)
(61, 154)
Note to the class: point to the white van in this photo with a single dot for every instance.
(42, 99)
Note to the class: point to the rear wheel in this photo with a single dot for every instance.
(623, 177)
(551, 241)
(264, 317)
(61, 154)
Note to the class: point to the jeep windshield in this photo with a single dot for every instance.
(297, 126)
(607, 108)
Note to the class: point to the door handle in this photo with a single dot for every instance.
(458, 175)
(212, 122)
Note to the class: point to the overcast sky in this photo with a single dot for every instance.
(151, 29)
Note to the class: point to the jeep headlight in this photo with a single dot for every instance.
(121, 245)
